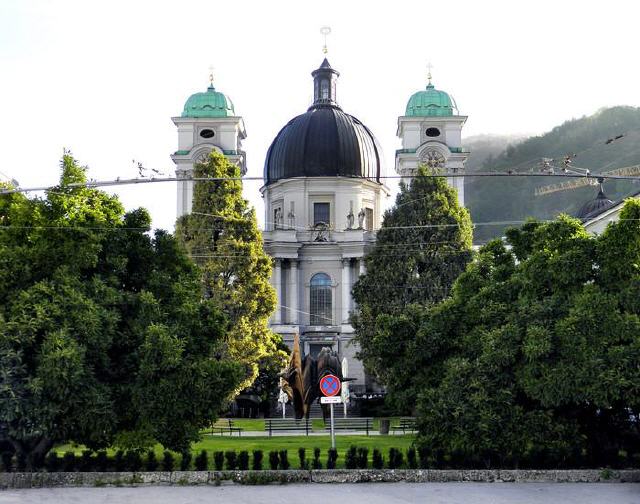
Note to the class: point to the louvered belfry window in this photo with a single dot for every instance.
(321, 300)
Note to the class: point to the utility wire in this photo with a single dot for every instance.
(423, 226)
(121, 182)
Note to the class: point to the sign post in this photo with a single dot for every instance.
(330, 388)
(344, 393)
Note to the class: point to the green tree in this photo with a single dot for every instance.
(535, 354)
(221, 233)
(267, 384)
(423, 245)
(104, 336)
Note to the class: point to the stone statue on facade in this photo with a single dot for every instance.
(350, 219)
(278, 218)
(361, 215)
(291, 217)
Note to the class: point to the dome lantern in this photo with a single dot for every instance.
(324, 85)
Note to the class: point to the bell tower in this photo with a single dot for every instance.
(208, 122)
(431, 134)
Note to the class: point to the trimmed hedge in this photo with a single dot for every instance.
(355, 458)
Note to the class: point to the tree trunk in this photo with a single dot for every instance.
(32, 453)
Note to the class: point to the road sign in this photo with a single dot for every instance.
(330, 385)
(331, 400)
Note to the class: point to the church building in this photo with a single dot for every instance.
(325, 191)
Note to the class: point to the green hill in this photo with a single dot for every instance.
(513, 199)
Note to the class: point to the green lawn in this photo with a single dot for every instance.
(216, 442)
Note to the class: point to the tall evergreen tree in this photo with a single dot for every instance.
(423, 245)
(221, 233)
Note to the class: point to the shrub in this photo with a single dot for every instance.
(69, 461)
(257, 460)
(133, 460)
(243, 460)
(284, 460)
(232, 460)
(218, 460)
(363, 458)
(316, 459)
(411, 458)
(168, 461)
(332, 458)
(185, 461)
(377, 461)
(395, 458)
(201, 461)
(85, 464)
(102, 461)
(302, 453)
(273, 460)
(151, 463)
(118, 461)
(7, 458)
(350, 459)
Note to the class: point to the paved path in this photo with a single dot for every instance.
(365, 493)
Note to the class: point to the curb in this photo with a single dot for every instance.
(179, 478)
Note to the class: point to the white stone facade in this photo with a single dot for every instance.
(301, 250)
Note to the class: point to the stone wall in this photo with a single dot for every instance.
(99, 479)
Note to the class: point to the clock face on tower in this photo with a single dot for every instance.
(203, 158)
(433, 158)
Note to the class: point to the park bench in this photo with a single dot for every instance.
(351, 424)
(223, 425)
(405, 424)
(287, 424)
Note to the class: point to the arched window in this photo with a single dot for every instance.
(324, 89)
(321, 300)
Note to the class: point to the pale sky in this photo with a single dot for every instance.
(104, 78)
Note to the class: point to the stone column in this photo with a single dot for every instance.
(277, 283)
(293, 292)
(346, 290)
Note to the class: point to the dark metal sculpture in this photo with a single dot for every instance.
(301, 377)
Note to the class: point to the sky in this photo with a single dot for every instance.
(103, 79)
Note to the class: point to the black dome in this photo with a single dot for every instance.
(596, 206)
(323, 142)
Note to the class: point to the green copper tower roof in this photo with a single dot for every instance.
(211, 103)
(430, 102)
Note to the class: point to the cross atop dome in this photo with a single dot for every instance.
(325, 30)
(211, 76)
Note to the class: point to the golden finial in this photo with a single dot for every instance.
(210, 75)
(429, 67)
(325, 30)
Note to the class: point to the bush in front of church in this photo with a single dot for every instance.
(533, 360)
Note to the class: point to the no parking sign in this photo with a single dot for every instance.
(330, 385)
